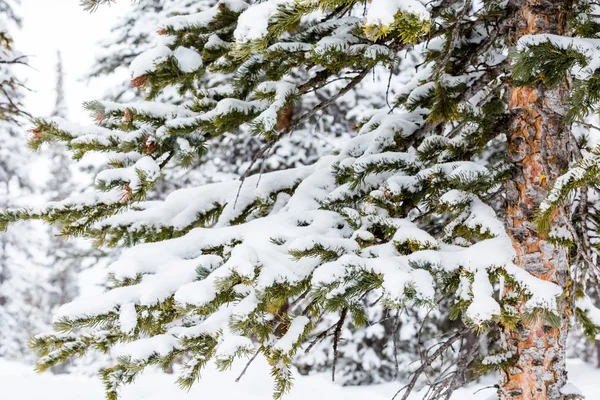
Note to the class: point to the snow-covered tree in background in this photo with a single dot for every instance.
(10, 105)
(24, 288)
(131, 36)
(472, 189)
(64, 255)
(583, 344)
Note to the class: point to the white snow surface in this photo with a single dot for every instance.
(127, 318)
(145, 61)
(296, 329)
(18, 381)
(381, 12)
(253, 23)
(188, 59)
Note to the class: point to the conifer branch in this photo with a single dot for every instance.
(426, 362)
(454, 37)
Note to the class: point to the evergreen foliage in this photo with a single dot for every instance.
(405, 215)
(231, 152)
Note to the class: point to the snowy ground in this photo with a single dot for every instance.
(18, 382)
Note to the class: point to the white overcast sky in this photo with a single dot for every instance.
(51, 25)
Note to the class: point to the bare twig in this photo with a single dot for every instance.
(321, 336)
(247, 365)
(336, 339)
(428, 360)
(395, 342)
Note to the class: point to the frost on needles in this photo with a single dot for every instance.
(411, 207)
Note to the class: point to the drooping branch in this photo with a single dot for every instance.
(428, 360)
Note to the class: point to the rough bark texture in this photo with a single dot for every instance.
(537, 148)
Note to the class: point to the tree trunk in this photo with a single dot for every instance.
(538, 150)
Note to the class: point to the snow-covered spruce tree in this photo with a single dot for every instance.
(23, 278)
(418, 206)
(366, 354)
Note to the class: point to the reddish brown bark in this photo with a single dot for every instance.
(537, 147)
